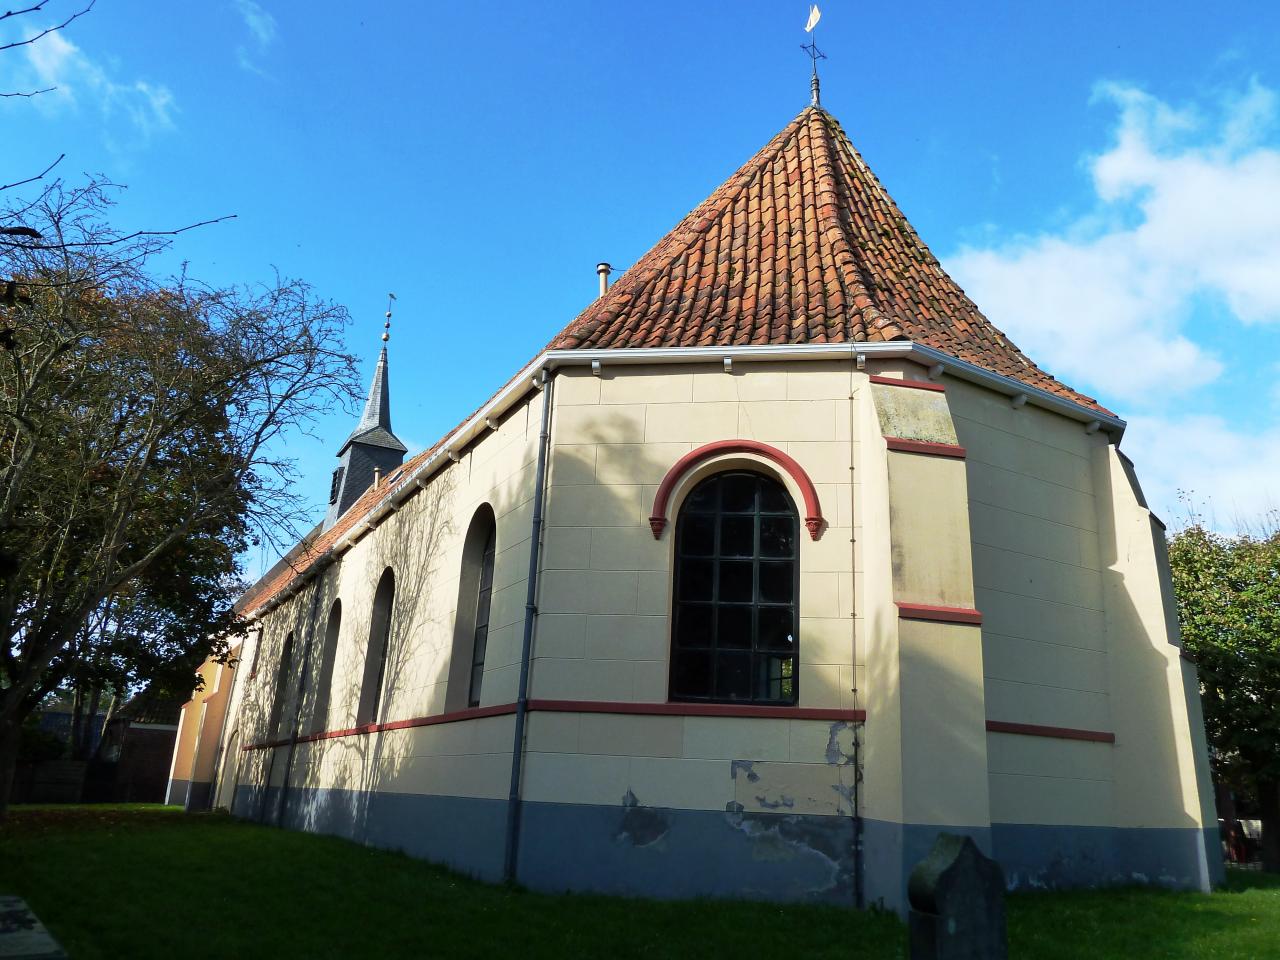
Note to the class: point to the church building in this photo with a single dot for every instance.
(777, 561)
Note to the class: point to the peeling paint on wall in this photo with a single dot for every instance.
(842, 743)
(781, 837)
(641, 826)
(782, 802)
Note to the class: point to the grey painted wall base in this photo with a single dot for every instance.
(176, 794)
(657, 852)
(1047, 857)
(199, 795)
(464, 833)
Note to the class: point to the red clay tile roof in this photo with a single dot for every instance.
(801, 245)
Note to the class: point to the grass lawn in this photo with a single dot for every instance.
(137, 881)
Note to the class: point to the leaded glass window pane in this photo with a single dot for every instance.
(736, 585)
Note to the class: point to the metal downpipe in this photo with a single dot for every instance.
(526, 648)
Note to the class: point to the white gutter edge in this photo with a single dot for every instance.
(530, 375)
(928, 356)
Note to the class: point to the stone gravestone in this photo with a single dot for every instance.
(957, 904)
(22, 936)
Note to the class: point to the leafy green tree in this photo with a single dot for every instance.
(140, 430)
(1228, 592)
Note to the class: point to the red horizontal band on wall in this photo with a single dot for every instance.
(695, 710)
(813, 510)
(474, 713)
(914, 384)
(1058, 733)
(925, 611)
(925, 446)
(585, 706)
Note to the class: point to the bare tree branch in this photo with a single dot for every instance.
(43, 33)
(29, 93)
(115, 241)
(38, 176)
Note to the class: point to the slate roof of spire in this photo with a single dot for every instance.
(374, 427)
(801, 245)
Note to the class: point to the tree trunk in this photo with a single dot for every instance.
(10, 737)
(77, 722)
(86, 730)
(106, 720)
(1269, 801)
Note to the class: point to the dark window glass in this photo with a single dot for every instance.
(695, 580)
(375, 658)
(734, 636)
(777, 537)
(776, 629)
(481, 640)
(694, 625)
(736, 581)
(700, 536)
(691, 673)
(734, 628)
(324, 680)
(776, 582)
(737, 536)
(738, 493)
(278, 722)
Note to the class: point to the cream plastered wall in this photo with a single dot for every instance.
(604, 597)
(934, 669)
(422, 543)
(1162, 776)
(876, 617)
(218, 679)
(1038, 583)
(190, 729)
(1024, 500)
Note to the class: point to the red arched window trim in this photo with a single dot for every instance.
(813, 510)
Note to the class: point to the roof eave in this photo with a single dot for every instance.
(893, 349)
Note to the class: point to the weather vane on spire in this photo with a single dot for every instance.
(386, 327)
(815, 54)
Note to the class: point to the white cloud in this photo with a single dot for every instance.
(262, 29)
(1187, 214)
(1177, 258)
(82, 83)
(1229, 471)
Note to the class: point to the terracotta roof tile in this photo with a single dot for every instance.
(801, 245)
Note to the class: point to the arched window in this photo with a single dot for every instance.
(471, 628)
(324, 680)
(275, 727)
(736, 599)
(375, 658)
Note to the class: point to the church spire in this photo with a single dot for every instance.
(377, 408)
(372, 450)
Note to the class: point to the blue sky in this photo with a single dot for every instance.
(1104, 179)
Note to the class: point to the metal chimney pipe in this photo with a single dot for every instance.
(602, 271)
